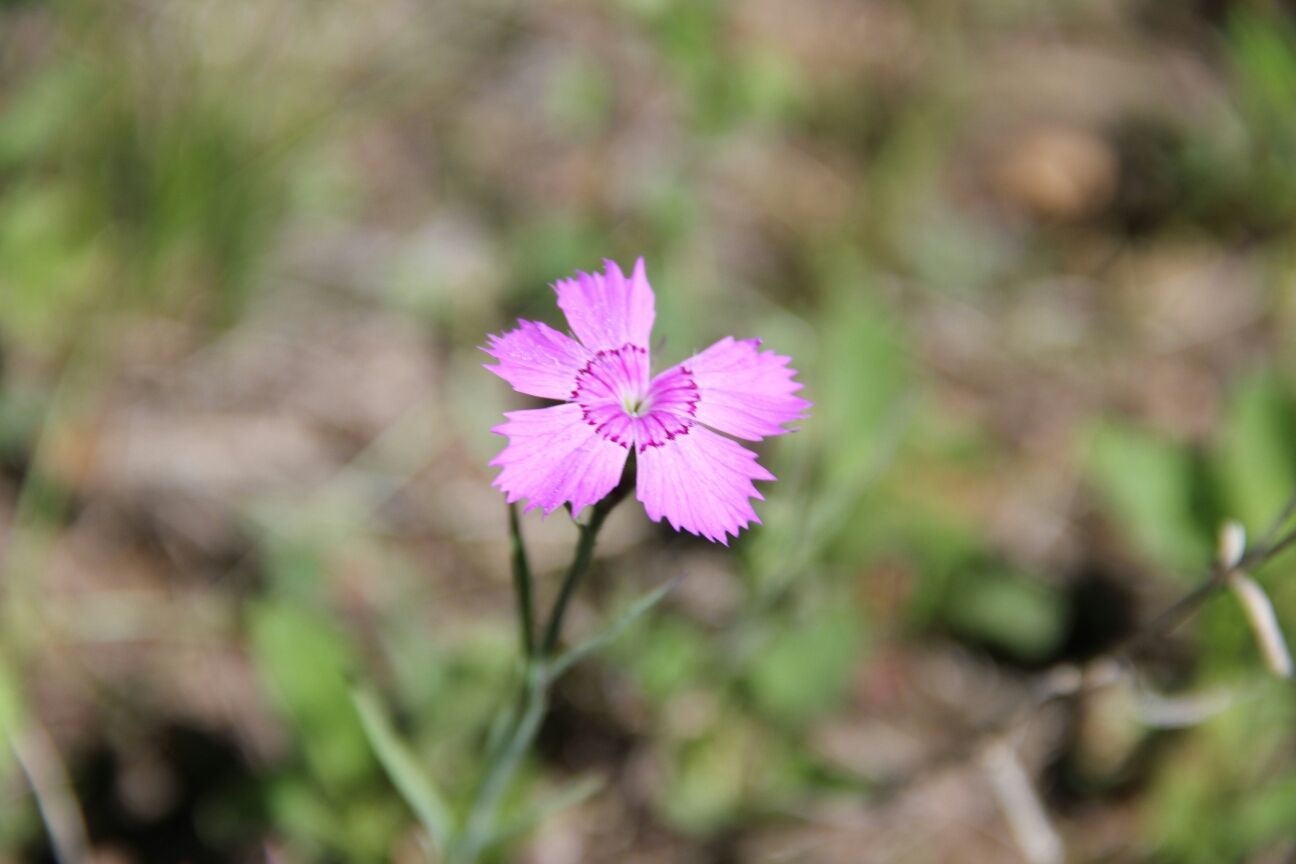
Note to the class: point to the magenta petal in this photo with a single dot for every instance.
(743, 391)
(608, 310)
(700, 482)
(554, 456)
(538, 360)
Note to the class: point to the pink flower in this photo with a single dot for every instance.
(575, 452)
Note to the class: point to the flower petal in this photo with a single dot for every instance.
(538, 360)
(555, 456)
(743, 391)
(608, 311)
(701, 482)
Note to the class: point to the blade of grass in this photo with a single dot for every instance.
(596, 643)
(45, 771)
(402, 768)
(575, 794)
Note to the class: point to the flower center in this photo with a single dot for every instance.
(623, 406)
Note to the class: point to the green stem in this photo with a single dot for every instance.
(479, 827)
(522, 585)
(580, 563)
(539, 674)
(584, 553)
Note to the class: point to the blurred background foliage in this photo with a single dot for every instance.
(1034, 262)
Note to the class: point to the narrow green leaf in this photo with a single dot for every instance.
(575, 794)
(1258, 471)
(1023, 616)
(805, 668)
(305, 662)
(11, 714)
(1146, 481)
(595, 643)
(402, 768)
(501, 724)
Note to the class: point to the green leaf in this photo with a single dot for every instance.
(806, 668)
(11, 715)
(1023, 617)
(1147, 482)
(304, 662)
(667, 658)
(1268, 814)
(865, 374)
(1257, 454)
(572, 796)
(595, 643)
(403, 769)
(706, 779)
(856, 368)
(1263, 54)
(299, 809)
